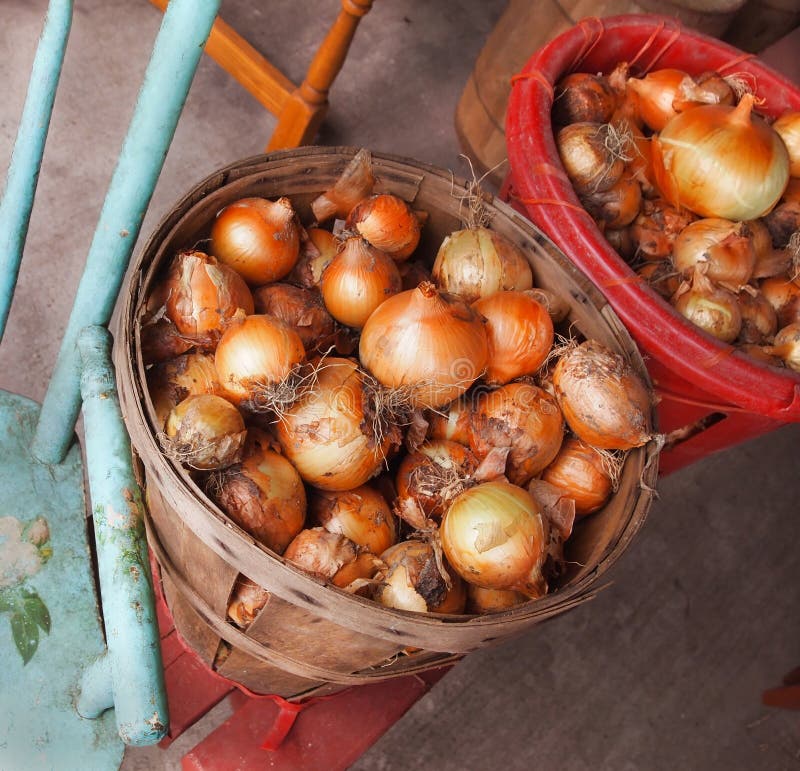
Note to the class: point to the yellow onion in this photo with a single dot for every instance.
(621, 241)
(583, 474)
(317, 250)
(640, 165)
(455, 600)
(616, 207)
(721, 249)
(657, 91)
(206, 432)
(353, 185)
(302, 309)
(431, 345)
(493, 536)
(454, 423)
(480, 600)
(783, 294)
(362, 515)
(593, 156)
(256, 358)
(172, 381)
(432, 476)
(357, 281)
(721, 161)
(412, 579)
(787, 346)
(604, 401)
(556, 306)
(259, 239)
(413, 273)
(759, 320)
(661, 276)
(706, 88)
(769, 261)
(205, 297)
(760, 353)
(332, 434)
(581, 96)
(524, 418)
(654, 231)
(783, 222)
(520, 334)
(263, 494)
(477, 262)
(356, 576)
(710, 307)
(788, 129)
(319, 552)
(159, 338)
(246, 601)
(388, 223)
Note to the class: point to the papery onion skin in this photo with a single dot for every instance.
(787, 346)
(353, 576)
(319, 552)
(412, 580)
(661, 276)
(480, 600)
(657, 91)
(493, 536)
(520, 335)
(584, 152)
(477, 262)
(455, 600)
(654, 231)
(206, 432)
(604, 401)
(721, 161)
(357, 281)
(362, 515)
(711, 308)
(453, 423)
(616, 207)
(316, 253)
(526, 419)
(431, 344)
(759, 320)
(205, 297)
(328, 434)
(246, 601)
(255, 354)
(353, 185)
(707, 88)
(783, 294)
(172, 381)
(578, 470)
(388, 223)
(722, 249)
(161, 341)
(258, 238)
(581, 96)
(788, 129)
(263, 494)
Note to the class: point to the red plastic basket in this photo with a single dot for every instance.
(719, 395)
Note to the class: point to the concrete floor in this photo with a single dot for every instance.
(663, 670)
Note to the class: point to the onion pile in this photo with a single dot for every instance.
(394, 420)
(696, 190)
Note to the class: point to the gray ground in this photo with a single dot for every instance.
(665, 669)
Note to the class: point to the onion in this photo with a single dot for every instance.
(354, 184)
(556, 306)
(761, 354)
(160, 341)
(259, 239)
(388, 223)
(721, 249)
(455, 600)
(603, 400)
(714, 309)
(316, 253)
(206, 432)
(621, 241)
(707, 88)
(477, 262)
(792, 192)
(640, 165)
(362, 515)
(593, 155)
(721, 161)
(357, 281)
(616, 207)
(302, 309)
(582, 472)
(783, 222)
(583, 97)
(413, 273)
(759, 320)
(493, 536)
(332, 434)
(769, 261)
(433, 475)
(627, 100)
(661, 276)
(246, 600)
(788, 129)
(520, 334)
(783, 295)
(257, 361)
(412, 579)
(431, 345)
(657, 91)
(319, 552)
(357, 575)
(524, 418)
(654, 231)
(205, 297)
(454, 423)
(263, 494)
(172, 381)
(787, 346)
(480, 600)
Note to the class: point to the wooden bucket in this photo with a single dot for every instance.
(312, 637)
(525, 27)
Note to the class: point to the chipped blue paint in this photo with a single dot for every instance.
(169, 74)
(26, 159)
(134, 651)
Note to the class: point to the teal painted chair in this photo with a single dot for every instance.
(68, 661)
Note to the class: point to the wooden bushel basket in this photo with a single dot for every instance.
(312, 637)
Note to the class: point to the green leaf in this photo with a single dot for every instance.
(26, 635)
(6, 601)
(35, 609)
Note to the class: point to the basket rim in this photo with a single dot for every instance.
(536, 172)
(396, 623)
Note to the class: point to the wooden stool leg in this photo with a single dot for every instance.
(305, 109)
